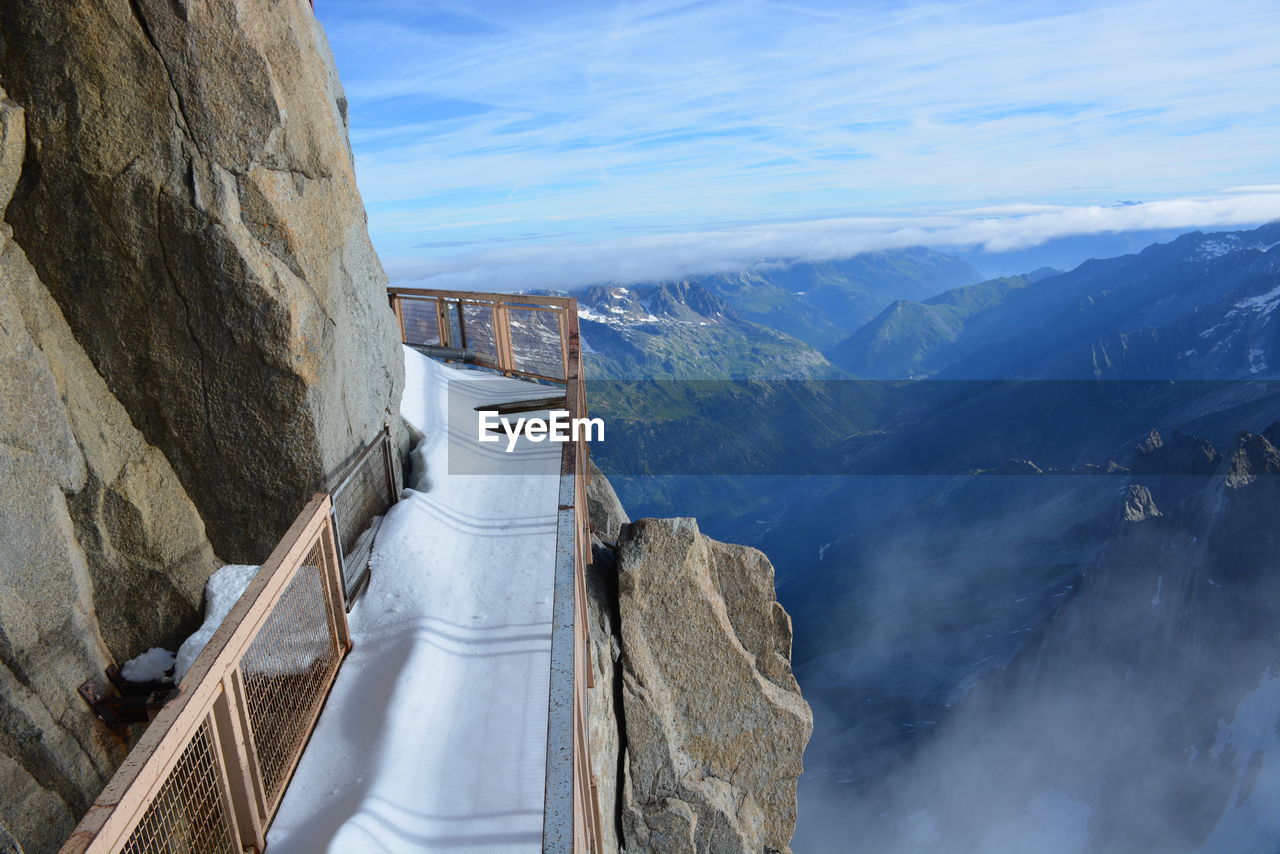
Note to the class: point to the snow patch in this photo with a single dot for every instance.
(221, 591)
(616, 316)
(822, 549)
(434, 737)
(1264, 303)
(154, 665)
(1217, 248)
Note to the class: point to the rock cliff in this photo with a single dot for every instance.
(697, 724)
(188, 197)
(193, 338)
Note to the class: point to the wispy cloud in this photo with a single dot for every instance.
(491, 120)
(669, 256)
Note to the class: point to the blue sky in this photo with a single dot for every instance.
(533, 144)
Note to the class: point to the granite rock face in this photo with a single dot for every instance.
(194, 337)
(188, 197)
(603, 507)
(606, 731)
(715, 724)
(697, 726)
(101, 551)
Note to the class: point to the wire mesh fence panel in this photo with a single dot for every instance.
(536, 342)
(481, 334)
(360, 502)
(211, 769)
(287, 671)
(190, 813)
(455, 335)
(421, 322)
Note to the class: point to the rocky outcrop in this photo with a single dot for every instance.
(697, 723)
(193, 337)
(1016, 467)
(1179, 455)
(606, 730)
(603, 507)
(1253, 457)
(188, 197)
(715, 723)
(1138, 504)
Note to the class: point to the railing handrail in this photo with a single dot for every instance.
(354, 566)
(571, 812)
(120, 807)
(447, 326)
(532, 300)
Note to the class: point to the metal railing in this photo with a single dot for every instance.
(571, 817)
(525, 336)
(361, 499)
(536, 337)
(212, 768)
(574, 528)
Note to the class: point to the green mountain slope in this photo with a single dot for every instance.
(822, 302)
(906, 339)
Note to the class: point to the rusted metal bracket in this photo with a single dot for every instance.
(118, 712)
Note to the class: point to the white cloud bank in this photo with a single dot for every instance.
(670, 256)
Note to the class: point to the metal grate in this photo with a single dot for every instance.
(360, 501)
(287, 671)
(421, 323)
(189, 814)
(536, 342)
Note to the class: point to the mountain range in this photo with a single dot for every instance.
(1199, 306)
(1044, 614)
(766, 323)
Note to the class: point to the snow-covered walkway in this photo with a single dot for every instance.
(434, 737)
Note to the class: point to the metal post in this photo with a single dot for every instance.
(395, 305)
(442, 324)
(234, 750)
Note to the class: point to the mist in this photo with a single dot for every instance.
(1061, 680)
